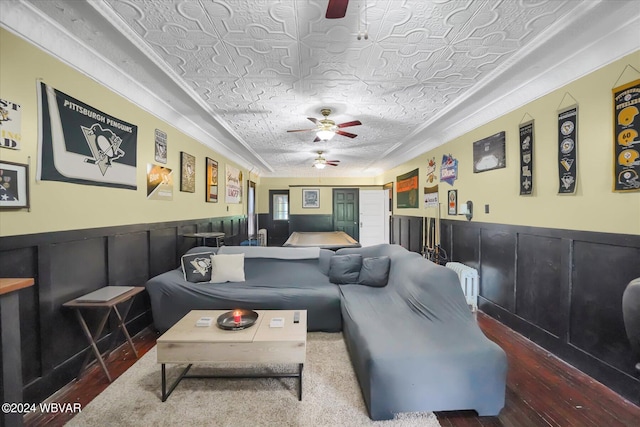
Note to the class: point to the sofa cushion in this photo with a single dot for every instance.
(271, 252)
(196, 267)
(227, 268)
(374, 271)
(324, 260)
(344, 269)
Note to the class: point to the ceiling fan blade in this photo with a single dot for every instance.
(333, 161)
(316, 121)
(343, 133)
(301, 130)
(331, 164)
(317, 139)
(337, 9)
(347, 124)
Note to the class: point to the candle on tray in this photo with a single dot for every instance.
(237, 318)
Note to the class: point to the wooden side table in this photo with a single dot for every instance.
(110, 305)
(10, 346)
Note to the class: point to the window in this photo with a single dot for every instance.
(280, 207)
(251, 209)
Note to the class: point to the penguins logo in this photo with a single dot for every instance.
(201, 265)
(104, 145)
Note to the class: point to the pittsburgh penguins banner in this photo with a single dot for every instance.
(567, 147)
(626, 166)
(80, 144)
(526, 158)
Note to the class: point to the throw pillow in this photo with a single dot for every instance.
(196, 267)
(227, 268)
(375, 271)
(345, 269)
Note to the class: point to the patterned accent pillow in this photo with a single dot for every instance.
(197, 267)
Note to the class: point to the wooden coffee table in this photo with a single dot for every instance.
(185, 343)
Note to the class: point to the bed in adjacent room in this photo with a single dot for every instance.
(333, 240)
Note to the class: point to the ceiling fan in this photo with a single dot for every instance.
(337, 9)
(320, 162)
(326, 128)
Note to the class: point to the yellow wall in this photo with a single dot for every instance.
(594, 207)
(295, 193)
(59, 206)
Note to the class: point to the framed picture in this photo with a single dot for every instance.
(187, 173)
(14, 185)
(489, 153)
(212, 181)
(161, 146)
(453, 202)
(311, 198)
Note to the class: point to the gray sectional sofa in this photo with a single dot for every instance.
(275, 279)
(412, 339)
(414, 343)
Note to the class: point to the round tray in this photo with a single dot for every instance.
(248, 318)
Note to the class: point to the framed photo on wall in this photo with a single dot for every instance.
(212, 181)
(490, 153)
(311, 198)
(161, 146)
(14, 185)
(187, 173)
(452, 202)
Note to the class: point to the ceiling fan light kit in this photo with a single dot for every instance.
(325, 135)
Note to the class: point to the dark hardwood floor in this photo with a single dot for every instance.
(542, 390)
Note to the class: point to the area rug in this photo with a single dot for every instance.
(331, 396)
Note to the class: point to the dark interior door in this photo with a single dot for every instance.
(345, 211)
(278, 233)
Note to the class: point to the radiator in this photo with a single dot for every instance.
(469, 281)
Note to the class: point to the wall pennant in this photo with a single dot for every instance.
(626, 145)
(567, 148)
(526, 158)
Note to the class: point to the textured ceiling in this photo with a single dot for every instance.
(247, 71)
